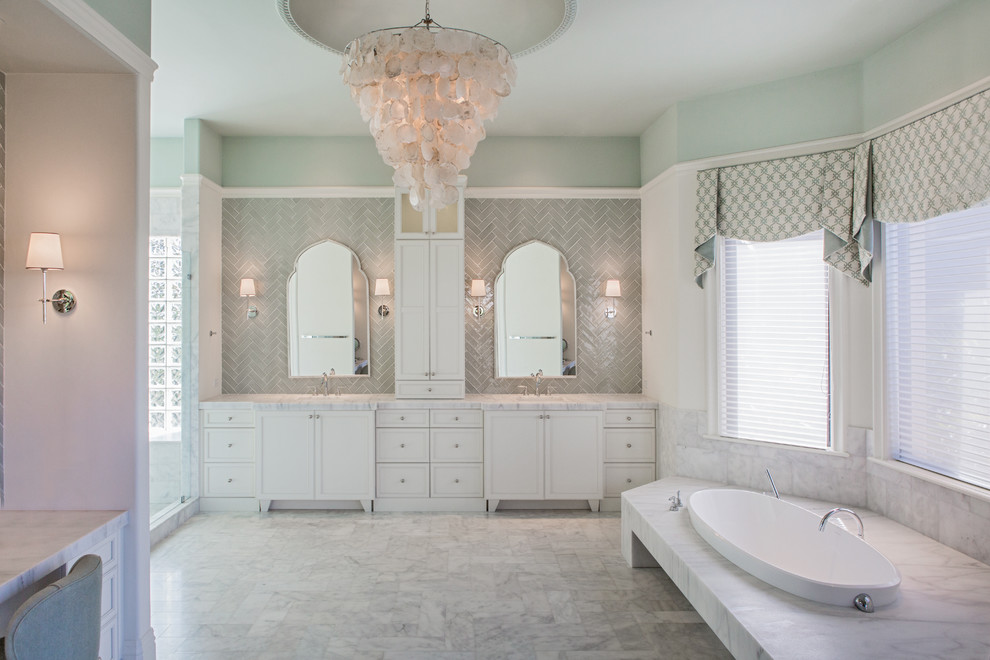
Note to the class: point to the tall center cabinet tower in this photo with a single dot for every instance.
(429, 299)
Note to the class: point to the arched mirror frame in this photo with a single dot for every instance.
(360, 297)
(568, 297)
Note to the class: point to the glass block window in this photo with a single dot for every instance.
(164, 335)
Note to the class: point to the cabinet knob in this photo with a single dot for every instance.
(628, 445)
(230, 444)
(456, 445)
(402, 481)
(402, 418)
(457, 481)
(230, 481)
(311, 417)
(628, 419)
(429, 389)
(457, 419)
(541, 416)
(433, 373)
(427, 374)
(628, 481)
(230, 419)
(547, 417)
(402, 444)
(317, 417)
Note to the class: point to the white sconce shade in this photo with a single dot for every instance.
(382, 288)
(44, 252)
(612, 291)
(248, 290)
(478, 291)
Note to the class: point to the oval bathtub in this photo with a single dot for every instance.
(779, 543)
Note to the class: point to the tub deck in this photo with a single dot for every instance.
(943, 610)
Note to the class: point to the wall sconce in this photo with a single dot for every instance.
(478, 291)
(45, 253)
(249, 291)
(382, 289)
(612, 291)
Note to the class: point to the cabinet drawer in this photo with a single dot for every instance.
(621, 476)
(108, 602)
(456, 418)
(457, 445)
(228, 444)
(457, 480)
(429, 389)
(106, 549)
(401, 418)
(403, 480)
(108, 641)
(228, 480)
(630, 445)
(403, 445)
(228, 418)
(630, 418)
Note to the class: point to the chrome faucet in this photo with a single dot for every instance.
(325, 383)
(675, 501)
(524, 388)
(539, 379)
(775, 493)
(821, 525)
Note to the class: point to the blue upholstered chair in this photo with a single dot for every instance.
(62, 621)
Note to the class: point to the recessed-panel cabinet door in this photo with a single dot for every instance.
(345, 455)
(574, 455)
(285, 455)
(412, 318)
(447, 290)
(514, 455)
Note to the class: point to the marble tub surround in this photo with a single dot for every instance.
(943, 610)
(388, 401)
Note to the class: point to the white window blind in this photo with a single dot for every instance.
(937, 336)
(773, 358)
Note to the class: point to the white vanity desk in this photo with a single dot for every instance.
(421, 455)
(38, 547)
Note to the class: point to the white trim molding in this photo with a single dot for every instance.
(90, 22)
(549, 192)
(200, 180)
(309, 192)
(364, 192)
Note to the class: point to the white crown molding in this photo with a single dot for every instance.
(89, 21)
(549, 192)
(311, 192)
(199, 179)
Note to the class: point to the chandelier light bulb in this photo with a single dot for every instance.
(426, 92)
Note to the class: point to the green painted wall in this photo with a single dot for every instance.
(303, 161)
(167, 162)
(658, 145)
(203, 150)
(131, 17)
(499, 161)
(946, 53)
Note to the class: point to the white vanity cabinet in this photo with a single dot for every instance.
(430, 459)
(227, 452)
(630, 451)
(543, 454)
(109, 551)
(429, 301)
(316, 455)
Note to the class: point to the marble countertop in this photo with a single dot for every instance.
(943, 610)
(35, 543)
(388, 401)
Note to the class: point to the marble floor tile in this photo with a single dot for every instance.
(532, 585)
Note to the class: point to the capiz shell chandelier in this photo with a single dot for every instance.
(425, 91)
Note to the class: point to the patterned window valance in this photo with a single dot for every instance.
(777, 199)
(936, 165)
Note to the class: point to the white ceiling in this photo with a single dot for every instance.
(236, 64)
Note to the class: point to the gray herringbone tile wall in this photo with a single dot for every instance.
(261, 239)
(3, 248)
(600, 238)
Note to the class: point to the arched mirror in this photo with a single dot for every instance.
(327, 298)
(535, 326)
